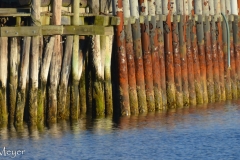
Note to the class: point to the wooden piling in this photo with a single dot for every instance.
(84, 48)
(131, 70)
(227, 74)
(236, 34)
(162, 65)
(191, 78)
(21, 93)
(138, 58)
(219, 37)
(177, 63)
(155, 56)
(130, 60)
(64, 80)
(122, 64)
(229, 13)
(88, 72)
(93, 5)
(98, 76)
(45, 66)
(3, 80)
(236, 46)
(196, 65)
(13, 77)
(233, 62)
(209, 61)
(34, 55)
(147, 58)
(168, 48)
(215, 60)
(221, 59)
(55, 66)
(107, 76)
(75, 65)
(201, 49)
(182, 7)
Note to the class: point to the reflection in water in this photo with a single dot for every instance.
(169, 120)
(174, 128)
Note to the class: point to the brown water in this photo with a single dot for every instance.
(200, 132)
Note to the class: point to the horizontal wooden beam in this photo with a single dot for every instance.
(55, 30)
(14, 10)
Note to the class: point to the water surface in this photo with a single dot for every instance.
(200, 132)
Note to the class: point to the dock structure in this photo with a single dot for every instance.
(64, 59)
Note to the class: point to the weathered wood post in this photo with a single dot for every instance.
(55, 65)
(122, 64)
(13, 77)
(106, 42)
(208, 51)
(64, 80)
(107, 76)
(13, 72)
(177, 57)
(227, 74)
(138, 57)
(190, 69)
(155, 55)
(3, 80)
(74, 108)
(217, 7)
(232, 10)
(130, 60)
(21, 93)
(236, 33)
(201, 49)
(63, 95)
(98, 77)
(98, 51)
(83, 49)
(168, 48)
(34, 54)
(45, 66)
(196, 65)
(105, 7)
(160, 30)
(215, 56)
(182, 11)
(147, 58)
(89, 73)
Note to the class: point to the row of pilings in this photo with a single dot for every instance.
(164, 54)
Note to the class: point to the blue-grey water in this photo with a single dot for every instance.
(200, 132)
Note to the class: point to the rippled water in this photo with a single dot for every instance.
(202, 132)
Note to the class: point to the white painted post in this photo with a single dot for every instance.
(151, 8)
(134, 9)
(174, 7)
(126, 9)
(234, 7)
(165, 10)
(217, 7)
(205, 5)
(158, 7)
(190, 7)
(179, 5)
(223, 6)
(228, 7)
(198, 7)
(186, 10)
(211, 7)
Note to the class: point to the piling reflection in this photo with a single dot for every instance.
(162, 120)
